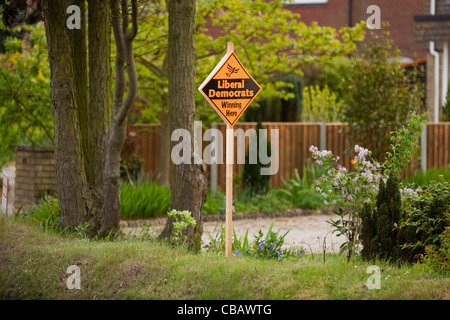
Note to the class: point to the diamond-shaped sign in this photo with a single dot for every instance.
(229, 88)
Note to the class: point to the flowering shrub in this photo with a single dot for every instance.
(346, 188)
(351, 190)
(356, 191)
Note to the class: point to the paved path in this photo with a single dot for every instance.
(306, 231)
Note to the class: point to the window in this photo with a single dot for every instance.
(307, 1)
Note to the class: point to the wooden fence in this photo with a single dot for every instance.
(294, 142)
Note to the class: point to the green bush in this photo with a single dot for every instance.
(46, 214)
(301, 192)
(252, 179)
(214, 204)
(368, 233)
(379, 228)
(380, 94)
(388, 211)
(320, 105)
(271, 201)
(425, 217)
(438, 257)
(143, 200)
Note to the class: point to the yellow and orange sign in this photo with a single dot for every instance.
(229, 88)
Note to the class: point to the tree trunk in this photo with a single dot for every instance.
(100, 104)
(89, 133)
(71, 184)
(124, 65)
(187, 180)
(164, 149)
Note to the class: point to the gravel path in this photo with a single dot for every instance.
(305, 231)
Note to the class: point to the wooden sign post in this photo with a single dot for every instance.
(229, 180)
(230, 89)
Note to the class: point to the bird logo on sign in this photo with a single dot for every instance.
(231, 70)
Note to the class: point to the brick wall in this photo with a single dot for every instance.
(441, 7)
(398, 13)
(35, 175)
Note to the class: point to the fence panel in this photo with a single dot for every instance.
(294, 142)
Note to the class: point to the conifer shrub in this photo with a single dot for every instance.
(379, 229)
(368, 233)
(252, 179)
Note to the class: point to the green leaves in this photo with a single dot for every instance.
(182, 219)
(425, 218)
(380, 95)
(270, 40)
(25, 108)
(405, 142)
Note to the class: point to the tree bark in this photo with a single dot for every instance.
(164, 149)
(71, 184)
(100, 104)
(124, 65)
(187, 180)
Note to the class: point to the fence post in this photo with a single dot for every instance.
(213, 170)
(322, 135)
(423, 149)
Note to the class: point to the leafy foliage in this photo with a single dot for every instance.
(47, 215)
(405, 142)
(446, 107)
(425, 217)
(357, 191)
(380, 94)
(271, 201)
(271, 41)
(277, 109)
(25, 108)
(300, 191)
(143, 199)
(320, 105)
(182, 219)
(438, 257)
(215, 203)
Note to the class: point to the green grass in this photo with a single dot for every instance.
(34, 263)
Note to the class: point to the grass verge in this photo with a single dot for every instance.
(33, 265)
